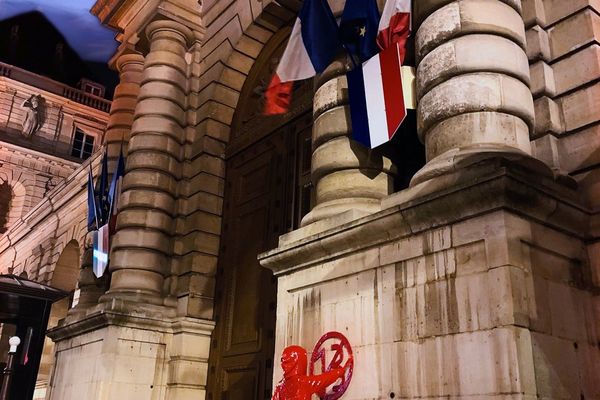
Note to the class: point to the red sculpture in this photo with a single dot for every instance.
(297, 385)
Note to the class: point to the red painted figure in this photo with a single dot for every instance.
(296, 384)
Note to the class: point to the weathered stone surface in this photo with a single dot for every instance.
(542, 80)
(475, 92)
(548, 118)
(468, 54)
(574, 33)
(579, 107)
(160, 362)
(577, 70)
(538, 44)
(469, 17)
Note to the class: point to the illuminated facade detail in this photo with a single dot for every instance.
(473, 276)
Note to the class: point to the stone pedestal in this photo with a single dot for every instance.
(480, 290)
(127, 354)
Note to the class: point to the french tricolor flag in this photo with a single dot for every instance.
(100, 251)
(312, 46)
(395, 25)
(377, 106)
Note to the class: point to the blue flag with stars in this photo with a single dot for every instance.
(358, 29)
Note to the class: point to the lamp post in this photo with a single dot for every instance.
(8, 371)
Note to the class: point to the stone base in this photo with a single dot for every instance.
(477, 290)
(117, 354)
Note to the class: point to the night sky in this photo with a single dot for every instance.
(72, 18)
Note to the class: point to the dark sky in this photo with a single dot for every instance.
(72, 18)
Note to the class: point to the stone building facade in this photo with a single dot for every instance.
(48, 132)
(478, 280)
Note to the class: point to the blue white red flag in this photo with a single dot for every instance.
(377, 106)
(312, 46)
(100, 251)
(114, 192)
(394, 25)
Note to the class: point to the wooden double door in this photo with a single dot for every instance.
(267, 192)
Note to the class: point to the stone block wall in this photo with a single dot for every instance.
(236, 32)
(564, 56)
(34, 243)
(493, 305)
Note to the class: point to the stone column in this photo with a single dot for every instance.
(472, 82)
(90, 287)
(130, 67)
(347, 175)
(142, 245)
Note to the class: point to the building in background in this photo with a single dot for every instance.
(465, 269)
(53, 117)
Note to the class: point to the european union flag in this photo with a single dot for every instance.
(359, 27)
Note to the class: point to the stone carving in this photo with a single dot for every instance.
(33, 115)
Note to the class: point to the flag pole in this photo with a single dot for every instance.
(94, 196)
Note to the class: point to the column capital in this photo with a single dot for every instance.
(129, 61)
(162, 27)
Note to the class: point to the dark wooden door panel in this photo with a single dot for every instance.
(262, 195)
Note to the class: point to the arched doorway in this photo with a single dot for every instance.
(12, 202)
(64, 277)
(267, 192)
(5, 199)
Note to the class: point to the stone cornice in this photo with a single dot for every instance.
(117, 314)
(29, 153)
(130, 18)
(492, 185)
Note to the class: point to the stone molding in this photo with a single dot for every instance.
(157, 323)
(491, 185)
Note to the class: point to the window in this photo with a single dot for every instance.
(96, 91)
(5, 198)
(83, 145)
(92, 87)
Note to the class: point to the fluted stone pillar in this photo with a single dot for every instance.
(130, 67)
(347, 175)
(472, 82)
(142, 246)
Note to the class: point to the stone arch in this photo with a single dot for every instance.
(16, 203)
(236, 68)
(5, 200)
(245, 127)
(64, 276)
(66, 269)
